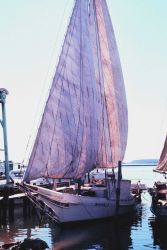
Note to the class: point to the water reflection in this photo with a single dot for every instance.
(140, 231)
(23, 227)
(159, 229)
(111, 234)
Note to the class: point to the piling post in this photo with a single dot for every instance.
(0, 211)
(5, 201)
(118, 187)
(11, 210)
(25, 207)
(3, 93)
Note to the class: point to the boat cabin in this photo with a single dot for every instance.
(161, 190)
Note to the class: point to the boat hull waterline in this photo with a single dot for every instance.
(159, 211)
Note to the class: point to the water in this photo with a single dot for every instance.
(139, 231)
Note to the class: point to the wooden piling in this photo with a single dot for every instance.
(1, 210)
(11, 210)
(9, 195)
(4, 210)
(25, 206)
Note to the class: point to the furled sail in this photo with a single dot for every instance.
(162, 164)
(84, 123)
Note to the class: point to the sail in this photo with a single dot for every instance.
(113, 119)
(84, 123)
(162, 164)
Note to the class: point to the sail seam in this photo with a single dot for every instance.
(101, 79)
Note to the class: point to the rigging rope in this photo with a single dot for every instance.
(62, 69)
(36, 113)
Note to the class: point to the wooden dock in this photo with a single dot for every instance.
(10, 199)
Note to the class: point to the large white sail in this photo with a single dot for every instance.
(113, 119)
(84, 123)
(162, 164)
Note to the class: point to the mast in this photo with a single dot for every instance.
(3, 93)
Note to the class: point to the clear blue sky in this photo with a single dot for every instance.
(31, 34)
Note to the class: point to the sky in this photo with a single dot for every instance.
(31, 36)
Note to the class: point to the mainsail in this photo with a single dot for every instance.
(84, 123)
(162, 164)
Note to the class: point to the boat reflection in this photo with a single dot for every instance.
(110, 234)
(159, 229)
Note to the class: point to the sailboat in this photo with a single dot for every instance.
(159, 192)
(84, 124)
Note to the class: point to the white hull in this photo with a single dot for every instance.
(88, 210)
(65, 207)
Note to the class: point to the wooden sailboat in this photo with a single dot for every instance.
(159, 192)
(84, 124)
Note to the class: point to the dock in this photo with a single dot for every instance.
(11, 198)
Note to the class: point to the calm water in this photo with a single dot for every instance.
(139, 231)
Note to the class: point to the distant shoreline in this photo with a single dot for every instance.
(141, 162)
(144, 165)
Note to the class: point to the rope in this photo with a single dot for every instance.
(42, 206)
(44, 84)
